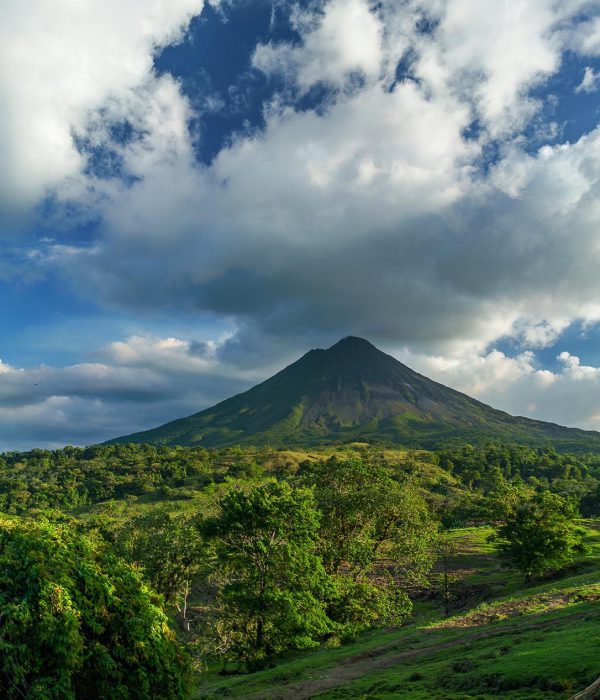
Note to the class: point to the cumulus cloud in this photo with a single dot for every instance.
(379, 212)
(589, 82)
(60, 62)
(488, 54)
(585, 36)
(345, 222)
(343, 40)
(372, 215)
(135, 383)
(567, 396)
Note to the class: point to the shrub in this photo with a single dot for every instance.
(77, 622)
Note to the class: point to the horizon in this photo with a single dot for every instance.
(195, 192)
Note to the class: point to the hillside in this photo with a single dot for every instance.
(353, 391)
(501, 640)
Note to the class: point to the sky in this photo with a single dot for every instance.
(195, 193)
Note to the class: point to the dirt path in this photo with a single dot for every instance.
(384, 657)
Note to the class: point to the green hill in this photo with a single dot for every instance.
(501, 640)
(354, 392)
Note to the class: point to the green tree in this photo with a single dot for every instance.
(501, 501)
(590, 503)
(77, 622)
(376, 536)
(368, 512)
(270, 581)
(169, 549)
(540, 535)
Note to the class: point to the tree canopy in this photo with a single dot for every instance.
(271, 583)
(77, 622)
(540, 534)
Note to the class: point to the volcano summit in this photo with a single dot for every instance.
(354, 392)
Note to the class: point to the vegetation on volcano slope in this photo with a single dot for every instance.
(354, 392)
(367, 529)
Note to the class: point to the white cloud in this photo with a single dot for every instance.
(371, 216)
(345, 39)
(540, 334)
(136, 383)
(163, 355)
(60, 61)
(585, 37)
(491, 53)
(589, 82)
(567, 396)
(358, 220)
(487, 54)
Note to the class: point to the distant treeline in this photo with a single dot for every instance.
(72, 477)
(75, 476)
(484, 470)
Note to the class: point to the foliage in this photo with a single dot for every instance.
(485, 467)
(367, 509)
(590, 503)
(271, 584)
(544, 648)
(540, 535)
(348, 532)
(168, 548)
(76, 476)
(374, 522)
(77, 622)
(502, 501)
(357, 605)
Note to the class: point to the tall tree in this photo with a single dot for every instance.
(376, 535)
(541, 534)
(77, 622)
(270, 581)
(369, 510)
(169, 549)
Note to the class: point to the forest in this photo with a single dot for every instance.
(144, 569)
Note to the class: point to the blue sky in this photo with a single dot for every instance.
(194, 194)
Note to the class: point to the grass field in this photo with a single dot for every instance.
(502, 640)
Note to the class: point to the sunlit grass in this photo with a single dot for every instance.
(524, 643)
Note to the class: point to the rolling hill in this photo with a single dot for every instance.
(354, 392)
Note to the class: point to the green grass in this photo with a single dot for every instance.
(525, 661)
(520, 642)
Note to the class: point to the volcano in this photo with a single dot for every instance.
(354, 392)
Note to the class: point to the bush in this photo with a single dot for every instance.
(77, 622)
(541, 535)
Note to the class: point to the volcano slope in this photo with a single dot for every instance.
(355, 392)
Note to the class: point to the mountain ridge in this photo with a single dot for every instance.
(349, 392)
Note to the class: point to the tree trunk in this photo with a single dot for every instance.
(592, 692)
(446, 588)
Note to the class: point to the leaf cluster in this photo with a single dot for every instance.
(75, 621)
